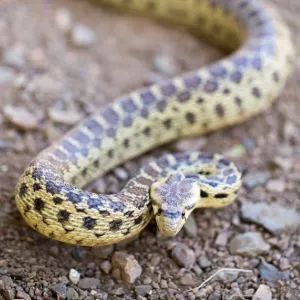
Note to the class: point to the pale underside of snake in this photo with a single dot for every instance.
(49, 194)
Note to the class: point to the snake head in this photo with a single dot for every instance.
(173, 198)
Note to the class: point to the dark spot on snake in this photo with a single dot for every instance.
(242, 5)
(111, 132)
(52, 235)
(117, 206)
(37, 173)
(126, 232)
(73, 197)
(129, 213)
(253, 13)
(110, 153)
(115, 225)
(110, 116)
(138, 220)
(127, 122)
(203, 194)
(23, 190)
(27, 208)
(80, 137)
(240, 61)
(236, 77)
(84, 172)
(183, 96)
(104, 213)
(168, 89)
(167, 123)
(97, 142)
(210, 86)
(93, 126)
(257, 63)
(161, 105)
(36, 186)
(221, 195)
(57, 200)
(89, 222)
(147, 97)
(200, 100)
(238, 101)
(231, 179)
(128, 105)
(39, 204)
(52, 187)
(96, 163)
(275, 77)
(191, 81)
(84, 151)
(218, 71)
(99, 234)
(94, 202)
(219, 108)
(69, 147)
(147, 131)
(190, 117)
(59, 154)
(256, 92)
(126, 143)
(224, 162)
(144, 113)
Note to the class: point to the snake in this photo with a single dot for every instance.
(51, 194)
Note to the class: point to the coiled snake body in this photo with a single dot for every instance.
(49, 194)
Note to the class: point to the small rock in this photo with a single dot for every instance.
(190, 226)
(121, 173)
(284, 263)
(68, 117)
(164, 64)
(228, 275)
(14, 58)
(20, 117)
(190, 144)
(273, 217)
(254, 179)
(204, 262)
(74, 276)
(103, 252)
(63, 19)
(236, 151)
(6, 289)
(128, 266)
(222, 238)
(183, 255)
(72, 294)
(283, 163)
(143, 290)
(82, 36)
(89, 283)
(164, 284)
(23, 295)
(249, 143)
(248, 244)
(263, 293)
(188, 279)
(60, 290)
(276, 185)
(105, 266)
(271, 273)
(215, 296)
(6, 75)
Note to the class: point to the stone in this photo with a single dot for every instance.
(263, 293)
(89, 283)
(105, 266)
(74, 276)
(164, 284)
(60, 290)
(163, 63)
(103, 252)
(82, 36)
(274, 217)
(222, 238)
(20, 117)
(63, 19)
(188, 280)
(121, 173)
(23, 295)
(248, 244)
(255, 178)
(68, 117)
(271, 273)
(228, 275)
(191, 144)
(6, 75)
(190, 226)
(143, 290)
(276, 185)
(128, 266)
(14, 57)
(183, 255)
(204, 262)
(72, 294)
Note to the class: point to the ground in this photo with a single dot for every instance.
(54, 77)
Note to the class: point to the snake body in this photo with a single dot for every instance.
(49, 193)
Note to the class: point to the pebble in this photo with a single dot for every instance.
(163, 63)
(121, 173)
(74, 276)
(23, 295)
(188, 279)
(89, 283)
(128, 266)
(228, 275)
(276, 185)
(14, 58)
(263, 293)
(222, 238)
(143, 290)
(248, 244)
(72, 294)
(6, 289)
(204, 262)
(6, 75)
(164, 284)
(60, 290)
(183, 255)
(68, 117)
(255, 178)
(63, 19)
(269, 272)
(284, 263)
(190, 226)
(191, 144)
(273, 217)
(105, 266)
(283, 163)
(103, 252)
(82, 36)
(20, 117)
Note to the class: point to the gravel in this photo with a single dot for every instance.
(271, 273)
(74, 276)
(263, 293)
(183, 255)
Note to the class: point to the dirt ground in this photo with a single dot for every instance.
(56, 77)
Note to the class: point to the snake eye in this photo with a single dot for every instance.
(183, 214)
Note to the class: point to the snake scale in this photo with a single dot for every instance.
(49, 194)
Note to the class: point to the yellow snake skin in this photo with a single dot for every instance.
(49, 193)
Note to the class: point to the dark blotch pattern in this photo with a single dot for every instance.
(168, 89)
(73, 197)
(57, 200)
(23, 190)
(191, 81)
(168, 123)
(138, 220)
(52, 188)
(183, 96)
(210, 86)
(203, 194)
(147, 97)
(63, 216)
(110, 116)
(256, 92)
(93, 126)
(80, 137)
(39, 204)
(220, 110)
(190, 117)
(36, 186)
(221, 195)
(115, 225)
(128, 105)
(89, 222)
